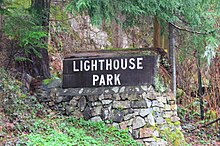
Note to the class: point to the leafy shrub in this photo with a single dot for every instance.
(173, 135)
(70, 131)
(16, 105)
(10, 93)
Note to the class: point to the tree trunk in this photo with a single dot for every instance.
(200, 85)
(156, 33)
(172, 58)
(117, 38)
(42, 64)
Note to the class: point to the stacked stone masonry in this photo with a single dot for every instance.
(138, 109)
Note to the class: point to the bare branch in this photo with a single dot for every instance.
(61, 19)
(190, 31)
(204, 126)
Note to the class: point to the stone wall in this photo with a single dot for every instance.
(140, 110)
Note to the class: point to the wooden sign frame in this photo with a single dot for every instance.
(109, 71)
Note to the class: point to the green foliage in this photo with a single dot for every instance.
(22, 26)
(16, 104)
(174, 137)
(10, 93)
(49, 80)
(70, 131)
(159, 84)
(105, 10)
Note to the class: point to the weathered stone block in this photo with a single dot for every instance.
(156, 109)
(134, 97)
(82, 103)
(145, 88)
(73, 102)
(116, 97)
(150, 120)
(87, 113)
(146, 132)
(123, 125)
(101, 97)
(117, 116)
(105, 114)
(77, 114)
(128, 111)
(148, 139)
(51, 103)
(115, 89)
(160, 120)
(138, 122)
(124, 96)
(139, 104)
(59, 99)
(53, 92)
(96, 119)
(96, 103)
(107, 101)
(156, 103)
(67, 98)
(151, 95)
(167, 107)
(69, 109)
(121, 104)
(108, 96)
(145, 112)
(92, 98)
(128, 116)
(81, 91)
(149, 103)
(130, 90)
(116, 125)
(96, 110)
(122, 90)
(135, 134)
(162, 99)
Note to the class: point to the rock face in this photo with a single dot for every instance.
(138, 109)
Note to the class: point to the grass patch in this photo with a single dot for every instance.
(68, 131)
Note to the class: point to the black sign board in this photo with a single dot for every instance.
(108, 71)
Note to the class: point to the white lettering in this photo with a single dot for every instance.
(81, 65)
(117, 79)
(132, 64)
(101, 61)
(139, 63)
(108, 64)
(109, 79)
(74, 67)
(116, 64)
(124, 64)
(86, 65)
(93, 65)
(102, 80)
(95, 78)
